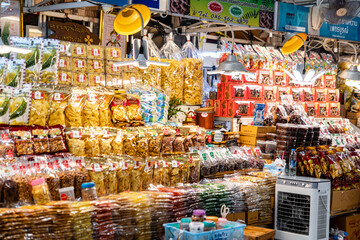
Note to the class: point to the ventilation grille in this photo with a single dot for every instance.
(293, 213)
(322, 217)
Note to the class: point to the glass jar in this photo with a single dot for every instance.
(185, 224)
(198, 215)
(67, 194)
(209, 225)
(88, 191)
(40, 191)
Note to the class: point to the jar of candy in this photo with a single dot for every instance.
(40, 191)
(88, 191)
(185, 224)
(209, 225)
(198, 215)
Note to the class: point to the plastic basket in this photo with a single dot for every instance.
(173, 232)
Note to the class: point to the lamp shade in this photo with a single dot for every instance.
(352, 73)
(128, 20)
(230, 67)
(293, 42)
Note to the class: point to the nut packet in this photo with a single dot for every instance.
(155, 142)
(167, 143)
(41, 140)
(20, 106)
(81, 175)
(105, 99)
(110, 180)
(33, 60)
(91, 139)
(123, 174)
(52, 179)
(129, 143)
(105, 142)
(14, 73)
(23, 140)
(66, 170)
(57, 139)
(40, 105)
(142, 144)
(117, 144)
(7, 147)
(50, 61)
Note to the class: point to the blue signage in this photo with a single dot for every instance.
(348, 31)
(295, 18)
(292, 18)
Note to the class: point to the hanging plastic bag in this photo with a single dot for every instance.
(193, 77)
(172, 77)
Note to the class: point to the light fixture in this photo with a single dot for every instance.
(4, 49)
(230, 66)
(130, 20)
(292, 43)
(352, 73)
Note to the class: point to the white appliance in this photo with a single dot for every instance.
(302, 208)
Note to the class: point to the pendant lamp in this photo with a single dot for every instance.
(130, 20)
(230, 66)
(292, 43)
(352, 73)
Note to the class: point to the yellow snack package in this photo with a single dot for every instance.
(74, 109)
(105, 99)
(96, 66)
(90, 112)
(172, 77)
(119, 110)
(80, 79)
(65, 78)
(193, 81)
(113, 53)
(79, 64)
(59, 101)
(96, 79)
(75, 142)
(78, 50)
(40, 106)
(117, 144)
(64, 63)
(95, 52)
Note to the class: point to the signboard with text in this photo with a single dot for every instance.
(245, 12)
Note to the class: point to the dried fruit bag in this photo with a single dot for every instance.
(50, 61)
(19, 106)
(14, 73)
(40, 105)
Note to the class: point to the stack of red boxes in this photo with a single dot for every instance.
(236, 98)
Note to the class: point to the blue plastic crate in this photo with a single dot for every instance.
(173, 232)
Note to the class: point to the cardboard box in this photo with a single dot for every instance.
(353, 121)
(342, 201)
(349, 224)
(250, 140)
(352, 115)
(236, 216)
(249, 130)
(252, 217)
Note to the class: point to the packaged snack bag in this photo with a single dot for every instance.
(20, 106)
(74, 109)
(90, 112)
(40, 106)
(14, 73)
(6, 94)
(58, 102)
(50, 60)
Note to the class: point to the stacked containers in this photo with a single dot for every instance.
(102, 222)
(113, 72)
(286, 138)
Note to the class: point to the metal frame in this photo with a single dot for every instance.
(61, 6)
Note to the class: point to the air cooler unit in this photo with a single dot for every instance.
(302, 208)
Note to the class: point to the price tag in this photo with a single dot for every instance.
(79, 51)
(156, 165)
(5, 137)
(97, 79)
(174, 164)
(75, 134)
(136, 164)
(37, 167)
(95, 52)
(38, 95)
(22, 169)
(96, 65)
(191, 159)
(62, 63)
(79, 163)
(114, 53)
(50, 165)
(112, 166)
(115, 68)
(166, 132)
(257, 151)
(58, 97)
(80, 63)
(64, 77)
(97, 167)
(114, 81)
(92, 97)
(125, 166)
(9, 153)
(81, 78)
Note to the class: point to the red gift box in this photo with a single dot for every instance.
(265, 77)
(334, 110)
(280, 78)
(298, 94)
(236, 91)
(217, 108)
(329, 81)
(221, 91)
(332, 95)
(310, 109)
(320, 95)
(269, 93)
(223, 108)
(209, 103)
(322, 109)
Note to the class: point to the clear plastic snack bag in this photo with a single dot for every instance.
(33, 59)
(14, 73)
(40, 106)
(6, 94)
(50, 61)
(20, 106)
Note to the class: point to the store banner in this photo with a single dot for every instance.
(295, 18)
(257, 13)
